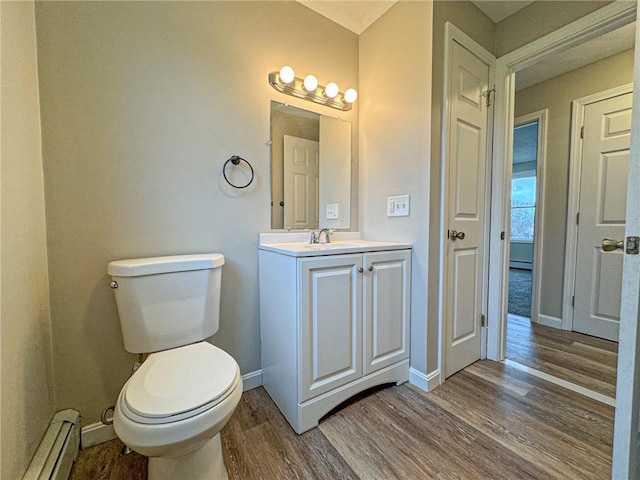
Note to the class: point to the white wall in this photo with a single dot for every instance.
(142, 103)
(26, 377)
(395, 121)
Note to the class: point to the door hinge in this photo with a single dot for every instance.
(501, 235)
(488, 94)
(578, 218)
(483, 320)
(573, 301)
(582, 131)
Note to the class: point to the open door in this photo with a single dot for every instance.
(626, 426)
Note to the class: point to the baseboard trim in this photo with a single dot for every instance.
(550, 321)
(251, 380)
(424, 382)
(97, 433)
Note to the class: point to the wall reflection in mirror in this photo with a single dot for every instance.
(310, 169)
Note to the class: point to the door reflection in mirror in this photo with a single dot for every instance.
(310, 169)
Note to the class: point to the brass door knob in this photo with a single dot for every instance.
(609, 244)
(456, 235)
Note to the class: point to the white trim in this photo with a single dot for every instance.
(601, 21)
(96, 433)
(549, 321)
(424, 382)
(542, 117)
(454, 34)
(573, 204)
(579, 389)
(251, 380)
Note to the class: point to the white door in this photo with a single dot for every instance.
(466, 162)
(301, 178)
(603, 198)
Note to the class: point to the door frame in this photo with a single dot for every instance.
(542, 116)
(575, 170)
(606, 19)
(454, 34)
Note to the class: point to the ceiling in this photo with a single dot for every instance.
(609, 44)
(358, 15)
(498, 10)
(355, 15)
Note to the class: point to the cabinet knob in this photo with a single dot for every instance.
(371, 268)
(360, 269)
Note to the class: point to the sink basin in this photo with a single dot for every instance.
(323, 246)
(306, 249)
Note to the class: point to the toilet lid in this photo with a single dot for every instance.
(176, 381)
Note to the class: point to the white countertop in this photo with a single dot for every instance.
(297, 244)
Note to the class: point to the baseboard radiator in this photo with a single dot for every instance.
(58, 449)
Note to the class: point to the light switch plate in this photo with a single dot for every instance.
(332, 211)
(398, 206)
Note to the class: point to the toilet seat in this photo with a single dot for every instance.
(180, 383)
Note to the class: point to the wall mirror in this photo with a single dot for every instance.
(310, 169)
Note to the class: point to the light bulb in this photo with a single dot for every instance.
(287, 75)
(310, 83)
(331, 90)
(350, 95)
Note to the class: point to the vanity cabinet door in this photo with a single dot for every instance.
(330, 315)
(386, 308)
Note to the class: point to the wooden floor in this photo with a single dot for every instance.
(488, 421)
(581, 359)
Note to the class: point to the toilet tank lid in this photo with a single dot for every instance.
(173, 263)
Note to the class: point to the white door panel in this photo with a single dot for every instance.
(465, 187)
(301, 179)
(331, 323)
(386, 308)
(603, 198)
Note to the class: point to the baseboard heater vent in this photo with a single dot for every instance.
(58, 449)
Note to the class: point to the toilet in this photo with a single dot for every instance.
(174, 406)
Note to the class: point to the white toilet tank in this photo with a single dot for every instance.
(167, 302)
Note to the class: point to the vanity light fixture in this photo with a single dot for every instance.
(285, 81)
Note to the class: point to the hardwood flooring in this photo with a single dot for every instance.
(581, 359)
(488, 421)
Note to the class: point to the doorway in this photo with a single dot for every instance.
(579, 359)
(527, 189)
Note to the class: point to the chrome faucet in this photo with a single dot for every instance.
(315, 237)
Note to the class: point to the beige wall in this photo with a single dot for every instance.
(477, 25)
(27, 384)
(539, 19)
(395, 120)
(142, 103)
(556, 95)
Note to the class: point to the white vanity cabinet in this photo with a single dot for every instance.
(332, 326)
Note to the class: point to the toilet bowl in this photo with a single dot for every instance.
(173, 408)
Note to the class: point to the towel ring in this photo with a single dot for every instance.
(236, 160)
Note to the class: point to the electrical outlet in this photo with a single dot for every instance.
(398, 206)
(332, 211)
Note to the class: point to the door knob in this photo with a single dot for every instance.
(456, 235)
(609, 244)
